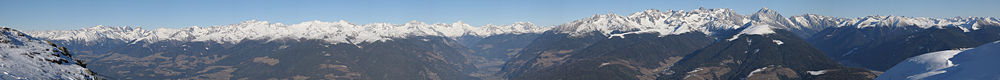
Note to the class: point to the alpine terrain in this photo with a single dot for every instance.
(956, 64)
(699, 44)
(23, 57)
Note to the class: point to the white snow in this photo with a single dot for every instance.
(616, 35)
(695, 70)
(672, 22)
(959, 64)
(758, 30)
(820, 72)
(964, 23)
(756, 71)
(924, 65)
(737, 36)
(669, 22)
(334, 32)
(603, 64)
(777, 42)
(24, 57)
(755, 29)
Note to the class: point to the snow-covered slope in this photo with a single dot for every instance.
(334, 32)
(962, 64)
(23, 57)
(754, 29)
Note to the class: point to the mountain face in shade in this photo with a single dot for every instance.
(23, 57)
(879, 47)
(412, 58)
(557, 56)
(610, 46)
(958, 64)
(638, 47)
(759, 52)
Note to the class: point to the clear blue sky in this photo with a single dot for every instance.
(76, 14)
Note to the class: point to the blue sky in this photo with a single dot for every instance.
(76, 14)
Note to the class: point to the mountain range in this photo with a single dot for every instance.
(651, 44)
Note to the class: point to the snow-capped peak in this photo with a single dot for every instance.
(816, 22)
(964, 23)
(766, 13)
(334, 32)
(671, 22)
(655, 21)
(773, 18)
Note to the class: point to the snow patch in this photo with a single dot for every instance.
(757, 29)
(756, 71)
(737, 36)
(820, 72)
(760, 29)
(695, 70)
(283, 46)
(777, 42)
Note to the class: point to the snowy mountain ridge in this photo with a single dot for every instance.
(674, 22)
(648, 21)
(334, 32)
(670, 22)
(23, 57)
(964, 23)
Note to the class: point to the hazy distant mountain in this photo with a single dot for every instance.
(227, 52)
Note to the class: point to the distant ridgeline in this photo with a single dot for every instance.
(652, 44)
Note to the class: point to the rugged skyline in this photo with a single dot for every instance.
(69, 15)
(651, 44)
